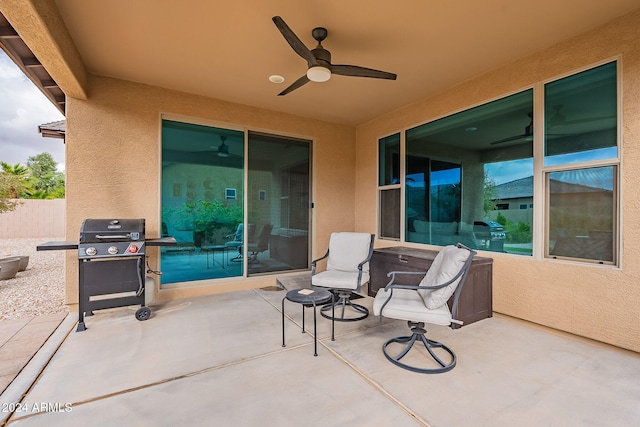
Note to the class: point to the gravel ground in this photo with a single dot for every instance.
(37, 290)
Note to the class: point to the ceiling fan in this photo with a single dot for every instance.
(528, 133)
(559, 119)
(223, 149)
(319, 66)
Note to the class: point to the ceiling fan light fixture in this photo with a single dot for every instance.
(318, 74)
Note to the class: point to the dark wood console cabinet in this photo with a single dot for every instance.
(475, 301)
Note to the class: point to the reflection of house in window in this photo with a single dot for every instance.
(514, 194)
(230, 193)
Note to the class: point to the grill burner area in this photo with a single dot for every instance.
(111, 260)
(101, 238)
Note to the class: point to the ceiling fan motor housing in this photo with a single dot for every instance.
(323, 56)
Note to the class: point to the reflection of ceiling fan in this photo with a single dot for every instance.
(319, 60)
(528, 129)
(528, 133)
(223, 149)
(559, 119)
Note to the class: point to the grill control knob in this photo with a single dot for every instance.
(91, 251)
(112, 250)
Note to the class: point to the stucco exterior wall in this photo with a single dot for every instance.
(593, 301)
(113, 164)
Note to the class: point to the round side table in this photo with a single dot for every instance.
(309, 297)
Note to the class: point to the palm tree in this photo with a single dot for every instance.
(16, 181)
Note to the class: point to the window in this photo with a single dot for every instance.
(230, 193)
(207, 162)
(581, 158)
(281, 222)
(389, 187)
(204, 193)
(462, 171)
(472, 172)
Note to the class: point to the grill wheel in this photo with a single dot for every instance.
(143, 313)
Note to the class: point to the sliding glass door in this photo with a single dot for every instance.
(202, 201)
(278, 196)
(204, 196)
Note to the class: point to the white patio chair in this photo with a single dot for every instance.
(347, 270)
(425, 303)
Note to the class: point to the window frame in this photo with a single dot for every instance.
(386, 187)
(540, 224)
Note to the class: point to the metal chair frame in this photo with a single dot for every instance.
(343, 295)
(418, 328)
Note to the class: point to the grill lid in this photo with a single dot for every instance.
(110, 230)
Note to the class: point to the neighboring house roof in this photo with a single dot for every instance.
(53, 129)
(523, 188)
(520, 188)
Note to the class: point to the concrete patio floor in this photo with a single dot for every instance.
(219, 360)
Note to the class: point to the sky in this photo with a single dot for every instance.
(22, 109)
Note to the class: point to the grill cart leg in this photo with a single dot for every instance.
(81, 326)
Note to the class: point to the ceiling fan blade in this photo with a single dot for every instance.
(511, 138)
(294, 41)
(356, 71)
(295, 85)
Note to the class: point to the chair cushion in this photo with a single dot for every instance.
(339, 279)
(446, 265)
(347, 250)
(407, 304)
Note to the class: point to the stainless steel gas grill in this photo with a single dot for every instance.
(111, 257)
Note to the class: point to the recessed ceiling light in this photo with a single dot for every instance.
(276, 79)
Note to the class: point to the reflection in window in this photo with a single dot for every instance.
(389, 157)
(207, 218)
(204, 161)
(469, 177)
(582, 205)
(433, 197)
(466, 176)
(279, 214)
(581, 117)
(390, 213)
(389, 187)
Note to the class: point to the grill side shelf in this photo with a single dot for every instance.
(57, 246)
(163, 241)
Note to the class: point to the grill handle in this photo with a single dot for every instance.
(113, 236)
(140, 281)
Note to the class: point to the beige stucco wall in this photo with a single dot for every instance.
(113, 164)
(593, 301)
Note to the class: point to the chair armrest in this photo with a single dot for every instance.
(393, 274)
(313, 263)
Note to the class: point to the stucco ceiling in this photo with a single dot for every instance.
(228, 49)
